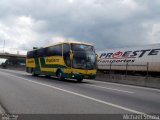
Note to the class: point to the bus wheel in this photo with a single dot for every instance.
(60, 75)
(79, 79)
(33, 73)
(48, 76)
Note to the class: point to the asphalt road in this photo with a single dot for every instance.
(21, 93)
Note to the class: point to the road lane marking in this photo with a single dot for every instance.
(81, 95)
(2, 110)
(113, 89)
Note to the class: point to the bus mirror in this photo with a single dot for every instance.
(71, 55)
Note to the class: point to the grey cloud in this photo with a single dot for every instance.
(105, 23)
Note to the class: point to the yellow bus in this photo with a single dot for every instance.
(64, 60)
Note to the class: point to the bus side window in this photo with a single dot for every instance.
(66, 48)
(58, 50)
(41, 52)
(54, 50)
(35, 54)
(66, 54)
(30, 54)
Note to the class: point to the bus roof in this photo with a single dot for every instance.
(68, 42)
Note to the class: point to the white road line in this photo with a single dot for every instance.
(125, 85)
(113, 89)
(2, 111)
(81, 95)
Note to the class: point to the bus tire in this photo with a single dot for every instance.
(79, 79)
(33, 73)
(60, 75)
(48, 76)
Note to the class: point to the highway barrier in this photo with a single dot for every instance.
(146, 81)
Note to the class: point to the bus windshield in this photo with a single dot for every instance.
(82, 47)
(84, 56)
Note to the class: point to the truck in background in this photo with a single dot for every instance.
(142, 59)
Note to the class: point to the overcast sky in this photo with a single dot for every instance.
(105, 23)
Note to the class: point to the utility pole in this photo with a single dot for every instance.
(3, 46)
